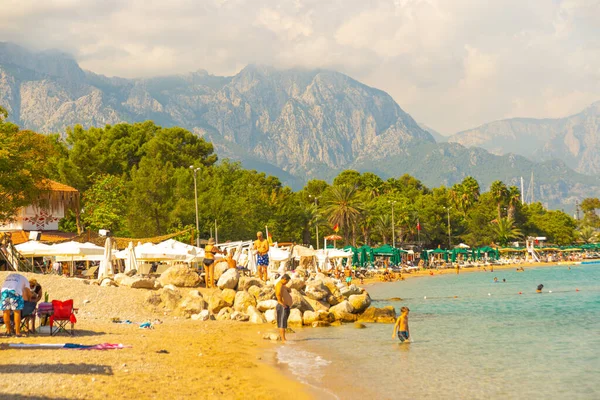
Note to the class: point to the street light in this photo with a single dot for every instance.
(392, 202)
(317, 222)
(449, 235)
(195, 170)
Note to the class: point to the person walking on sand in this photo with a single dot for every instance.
(261, 245)
(15, 291)
(401, 326)
(284, 302)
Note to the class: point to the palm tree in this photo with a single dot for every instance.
(312, 218)
(514, 197)
(505, 230)
(587, 234)
(343, 208)
(383, 225)
(500, 194)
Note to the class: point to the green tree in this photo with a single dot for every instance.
(504, 230)
(105, 204)
(587, 234)
(589, 207)
(500, 193)
(343, 208)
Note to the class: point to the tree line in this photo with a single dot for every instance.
(137, 180)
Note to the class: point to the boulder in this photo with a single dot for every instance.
(203, 315)
(246, 282)
(180, 276)
(119, 277)
(255, 316)
(317, 305)
(170, 298)
(224, 314)
(295, 318)
(107, 282)
(296, 283)
(242, 300)
(316, 290)
(238, 316)
(266, 305)
(309, 317)
(360, 302)
(270, 316)
(331, 285)
(228, 296)
(216, 302)
(254, 291)
(170, 287)
(137, 282)
(266, 293)
(348, 291)
(229, 279)
(334, 300)
(192, 304)
(320, 324)
(220, 268)
(383, 315)
(299, 302)
(274, 337)
(343, 312)
(324, 316)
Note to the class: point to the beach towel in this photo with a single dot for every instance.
(101, 346)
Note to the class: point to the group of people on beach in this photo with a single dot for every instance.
(19, 296)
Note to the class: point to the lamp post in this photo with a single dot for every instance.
(392, 202)
(195, 171)
(317, 222)
(449, 235)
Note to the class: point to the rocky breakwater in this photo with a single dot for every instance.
(318, 302)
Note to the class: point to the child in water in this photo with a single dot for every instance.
(401, 326)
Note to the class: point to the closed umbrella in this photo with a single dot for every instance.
(106, 264)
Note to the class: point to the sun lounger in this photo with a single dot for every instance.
(144, 269)
(162, 268)
(89, 273)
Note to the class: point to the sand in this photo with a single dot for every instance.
(209, 359)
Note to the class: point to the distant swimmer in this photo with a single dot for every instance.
(520, 269)
(503, 280)
(539, 288)
(495, 280)
(401, 326)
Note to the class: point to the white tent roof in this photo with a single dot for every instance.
(151, 252)
(76, 249)
(34, 249)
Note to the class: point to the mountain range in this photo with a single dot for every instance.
(297, 124)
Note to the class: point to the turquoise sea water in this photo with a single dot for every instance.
(489, 342)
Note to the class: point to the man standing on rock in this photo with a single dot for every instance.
(284, 302)
(261, 245)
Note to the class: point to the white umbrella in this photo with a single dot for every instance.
(106, 265)
(76, 249)
(130, 260)
(34, 249)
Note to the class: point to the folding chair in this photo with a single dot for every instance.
(63, 314)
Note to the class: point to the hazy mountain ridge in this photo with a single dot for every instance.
(574, 139)
(296, 124)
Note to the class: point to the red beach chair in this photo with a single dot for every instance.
(62, 315)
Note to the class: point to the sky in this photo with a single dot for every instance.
(451, 64)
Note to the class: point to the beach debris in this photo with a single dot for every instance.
(229, 279)
(146, 325)
(180, 276)
(360, 302)
(359, 325)
(162, 351)
(243, 299)
(86, 301)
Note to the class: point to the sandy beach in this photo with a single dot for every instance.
(209, 359)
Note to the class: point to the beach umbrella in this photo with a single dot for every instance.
(130, 259)
(106, 264)
(75, 250)
(332, 238)
(34, 248)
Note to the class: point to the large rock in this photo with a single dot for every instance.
(180, 276)
(295, 318)
(220, 268)
(193, 303)
(317, 305)
(255, 316)
(243, 300)
(343, 312)
(383, 315)
(229, 279)
(254, 291)
(137, 282)
(331, 285)
(316, 290)
(348, 291)
(216, 302)
(308, 317)
(360, 302)
(119, 277)
(299, 302)
(228, 296)
(296, 283)
(266, 293)
(320, 324)
(246, 282)
(271, 316)
(203, 315)
(107, 282)
(224, 314)
(266, 305)
(238, 316)
(170, 298)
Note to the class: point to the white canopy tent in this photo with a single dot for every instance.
(152, 252)
(34, 249)
(72, 251)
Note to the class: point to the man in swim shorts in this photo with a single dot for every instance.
(401, 326)
(14, 291)
(261, 245)
(284, 302)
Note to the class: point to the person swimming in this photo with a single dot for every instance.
(539, 288)
(495, 280)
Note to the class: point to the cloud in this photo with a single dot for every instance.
(452, 64)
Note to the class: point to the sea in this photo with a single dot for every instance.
(472, 338)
